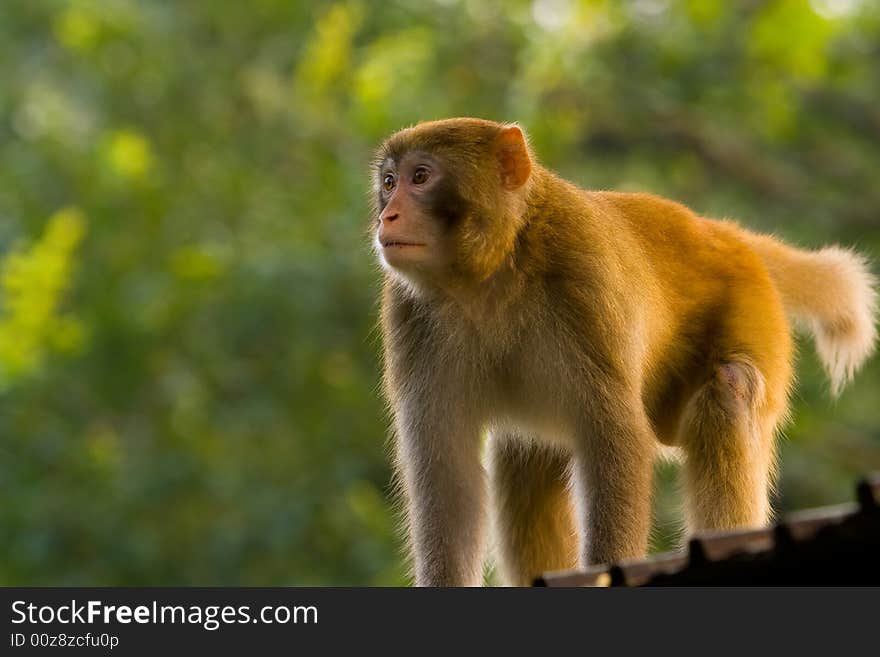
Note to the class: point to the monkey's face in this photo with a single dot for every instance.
(449, 199)
(416, 200)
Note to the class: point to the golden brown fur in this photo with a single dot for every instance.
(582, 329)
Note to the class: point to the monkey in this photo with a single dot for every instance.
(543, 344)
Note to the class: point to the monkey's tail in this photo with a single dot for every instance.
(833, 292)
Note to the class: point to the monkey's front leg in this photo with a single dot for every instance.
(439, 455)
(613, 478)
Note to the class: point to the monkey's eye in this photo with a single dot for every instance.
(420, 175)
(388, 182)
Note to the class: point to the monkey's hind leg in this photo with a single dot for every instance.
(727, 432)
(534, 520)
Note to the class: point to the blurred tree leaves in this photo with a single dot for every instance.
(188, 360)
(33, 282)
(128, 155)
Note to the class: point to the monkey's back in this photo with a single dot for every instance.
(711, 297)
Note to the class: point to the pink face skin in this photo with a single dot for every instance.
(408, 238)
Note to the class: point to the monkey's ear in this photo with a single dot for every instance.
(513, 157)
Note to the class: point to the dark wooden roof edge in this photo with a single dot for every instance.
(717, 546)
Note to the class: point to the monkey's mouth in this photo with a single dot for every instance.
(398, 244)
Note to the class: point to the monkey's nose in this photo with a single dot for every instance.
(389, 217)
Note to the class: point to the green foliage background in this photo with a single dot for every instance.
(188, 361)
